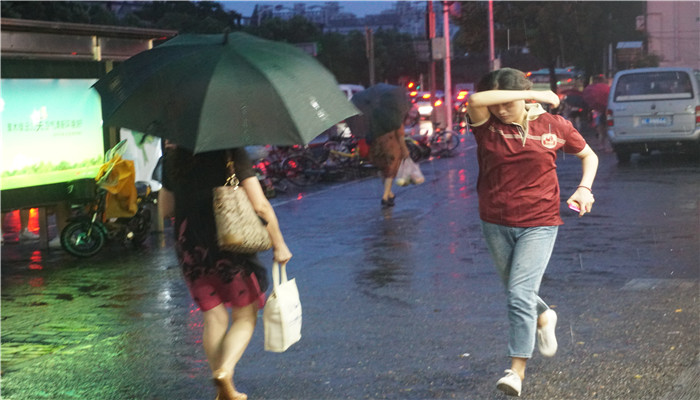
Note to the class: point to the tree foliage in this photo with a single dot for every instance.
(62, 11)
(558, 33)
(189, 16)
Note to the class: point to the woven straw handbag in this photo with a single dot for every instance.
(238, 227)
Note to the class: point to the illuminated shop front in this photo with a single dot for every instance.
(53, 140)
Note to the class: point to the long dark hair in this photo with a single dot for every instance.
(504, 79)
(179, 162)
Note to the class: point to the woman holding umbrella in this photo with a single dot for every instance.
(209, 94)
(384, 108)
(596, 97)
(386, 153)
(218, 278)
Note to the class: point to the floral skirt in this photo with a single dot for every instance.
(214, 276)
(209, 291)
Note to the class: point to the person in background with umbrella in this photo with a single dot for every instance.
(596, 97)
(386, 152)
(384, 108)
(218, 278)
(519, 202)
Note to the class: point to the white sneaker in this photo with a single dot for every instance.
(26, 235)
(546, 335)
(55, 243)
(511, 384)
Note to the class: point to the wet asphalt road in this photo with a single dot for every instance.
(398, 304)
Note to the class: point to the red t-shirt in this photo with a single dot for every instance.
(517, 182)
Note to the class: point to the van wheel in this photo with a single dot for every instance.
(623, 157)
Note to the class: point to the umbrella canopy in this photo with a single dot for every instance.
(596, 96)
(212, 92)
(383, 107)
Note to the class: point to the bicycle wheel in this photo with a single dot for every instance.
(82, 239)
(301, 170)
(446, 140)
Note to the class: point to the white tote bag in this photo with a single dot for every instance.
(282, 313)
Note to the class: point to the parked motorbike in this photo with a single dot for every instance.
(119, 211)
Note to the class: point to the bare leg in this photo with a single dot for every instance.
(518, 364)
(388, 182)
(236, 340)
(216, 323)
(225, 346)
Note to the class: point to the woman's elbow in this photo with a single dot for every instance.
(262, 208)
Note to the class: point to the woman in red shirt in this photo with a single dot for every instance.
(519, 201)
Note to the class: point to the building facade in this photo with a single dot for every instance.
(673, 29)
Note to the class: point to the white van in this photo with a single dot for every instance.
(654, 109)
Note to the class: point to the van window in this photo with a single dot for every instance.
(654, 86)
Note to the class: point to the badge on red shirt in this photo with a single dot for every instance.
(549, 140)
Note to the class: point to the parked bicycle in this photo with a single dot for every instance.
(286, 164)
(442, 142)
(343, 161)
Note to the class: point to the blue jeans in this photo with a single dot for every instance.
(521, 256)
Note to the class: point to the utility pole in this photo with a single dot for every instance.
(492, 51)
(431, 37)
(369, 46)
(447, 64)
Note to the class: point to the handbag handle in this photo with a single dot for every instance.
(278, 270)
(232, 179)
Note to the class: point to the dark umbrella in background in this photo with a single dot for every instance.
(212, 92)
(383, 107)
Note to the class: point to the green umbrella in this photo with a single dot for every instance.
(212, 92)
(383, 107)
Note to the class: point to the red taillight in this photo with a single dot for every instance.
(697, 115)
(609, 118)
(438, 103)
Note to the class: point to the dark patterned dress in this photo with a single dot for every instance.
(213, 276)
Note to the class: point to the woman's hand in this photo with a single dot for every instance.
(583, 199)
(547, 96)
(281, 254)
